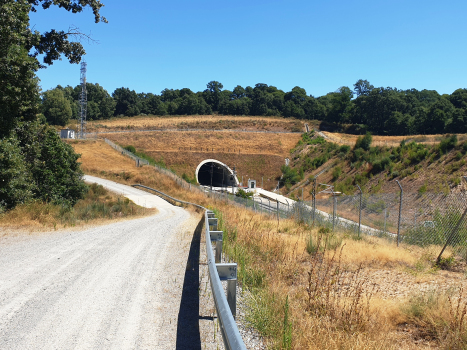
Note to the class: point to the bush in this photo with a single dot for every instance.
(364, 142)
(16, 185)
(289, 175)
(336, 173)
(130, 148)
(344, 149)
(52, 163)
(243, 194)
(380, 165)
(447, 144)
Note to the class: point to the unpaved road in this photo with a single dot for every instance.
(116, 286)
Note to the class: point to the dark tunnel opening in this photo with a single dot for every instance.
(221, 176)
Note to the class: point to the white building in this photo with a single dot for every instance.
(67, 134)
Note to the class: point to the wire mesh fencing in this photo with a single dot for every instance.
(430, 220)
(434, 221)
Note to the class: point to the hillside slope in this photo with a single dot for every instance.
(418, 167)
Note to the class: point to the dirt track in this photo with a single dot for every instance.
(116, 286)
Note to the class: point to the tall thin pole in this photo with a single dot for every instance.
(400, 214)
(83, 100)
(314, 200)
(360, 212)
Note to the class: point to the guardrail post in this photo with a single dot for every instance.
(228, 272)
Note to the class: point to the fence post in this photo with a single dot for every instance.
(451, 235)
(400, 214)
(385, 217)
(314, 200)
(277, 210)
(360, 212)
(334, 200)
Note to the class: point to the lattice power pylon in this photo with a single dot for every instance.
(83, 100)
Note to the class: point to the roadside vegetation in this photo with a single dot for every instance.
(314, 289)
(374, 168)
(97, 206)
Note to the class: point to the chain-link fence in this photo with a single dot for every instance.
(429, 220)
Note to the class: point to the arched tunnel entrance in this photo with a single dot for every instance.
(217, 172)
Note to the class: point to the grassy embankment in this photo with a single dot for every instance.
(418, 167)
(206, 122)
(255, 155)
(356, 294)
(97, 207)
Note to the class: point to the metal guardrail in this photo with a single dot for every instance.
(226, 306)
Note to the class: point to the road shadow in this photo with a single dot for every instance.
(188, 336)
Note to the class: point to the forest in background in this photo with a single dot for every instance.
(380, 110)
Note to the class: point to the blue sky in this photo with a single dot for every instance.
(318, 45)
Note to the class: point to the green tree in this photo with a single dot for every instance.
(55, 107)
(16, 184)
(126, 102)
(362, 87)
(341, 105)
(33, 159)
(52, 164)
(212, 95)
(18, 88)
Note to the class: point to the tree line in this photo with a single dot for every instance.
(35, 165)
(380, 110)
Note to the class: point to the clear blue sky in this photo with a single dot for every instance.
(318, 45)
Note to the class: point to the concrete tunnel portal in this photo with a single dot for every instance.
(217, 172)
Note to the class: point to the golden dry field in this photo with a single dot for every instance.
(196, 122)
(255, 155)
(389, 141)
(369, 295)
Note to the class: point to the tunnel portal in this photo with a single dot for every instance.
(221, 174)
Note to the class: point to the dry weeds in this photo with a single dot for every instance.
(196, 122)
(388, 141)
(274, 263)
(255, 155)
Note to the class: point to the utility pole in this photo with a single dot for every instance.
(83, 100)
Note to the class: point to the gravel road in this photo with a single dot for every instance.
(116, 286)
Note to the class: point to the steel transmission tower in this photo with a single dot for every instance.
(83, 100)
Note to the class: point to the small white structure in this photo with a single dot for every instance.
(251, 184)
(67, 134)
(287, 161)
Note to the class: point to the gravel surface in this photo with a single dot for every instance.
(116, 286)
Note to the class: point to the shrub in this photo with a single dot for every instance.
(130, 148)
(344, 149)
(364, 142)
(243, 194)
(422, 189)
(289, 175)
(447, 143)
(380, 165)
(336, 173)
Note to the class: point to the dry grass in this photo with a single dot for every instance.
(388, 141)
(255, 155)
(274, 264)
(196, 122)
(335, 300)
(98, 207)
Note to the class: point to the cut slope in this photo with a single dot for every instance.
(254, 155)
